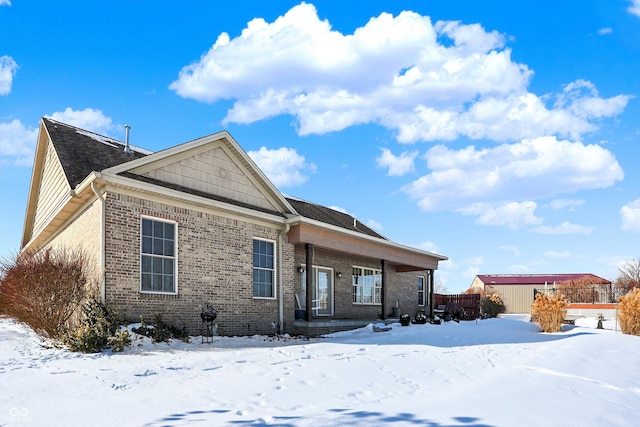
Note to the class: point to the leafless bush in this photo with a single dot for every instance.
(45, 288)
(587, 289)
(629, 277)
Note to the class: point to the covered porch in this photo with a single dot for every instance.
(356, 279)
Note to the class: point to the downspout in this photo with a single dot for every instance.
(103, 267)
(280, 279)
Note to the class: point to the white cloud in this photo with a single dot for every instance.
(635, 7)
(284, 166)
(425, 81)
(5, 2)
(398, 165)
(471, 272)
(564, 228)
(570, 204)
(511, 248)
(605, 31)
(474, 260)
(88, 119)
(531, 169)
(428, 246)
(556, 254)
(8, 68)
(630, 214)
(512, 214)
(339, 209)
(17, 142)
(582, 99)
(374, 225)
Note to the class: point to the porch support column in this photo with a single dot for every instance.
(308, 316)
(383, 291)
(430, 290)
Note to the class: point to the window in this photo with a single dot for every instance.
(158, 256)
(420, 290)
(263, 269)
(367, 286)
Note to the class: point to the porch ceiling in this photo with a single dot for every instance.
(403, 258)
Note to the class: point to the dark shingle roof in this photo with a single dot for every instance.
(82, 152)
(331, 216)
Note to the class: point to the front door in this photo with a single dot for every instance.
(323, 292)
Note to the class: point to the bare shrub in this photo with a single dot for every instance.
(629, 276)
(629, 312)
(45, 288)
(587, 289)
(549, 311)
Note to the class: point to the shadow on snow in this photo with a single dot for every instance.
(335, 417)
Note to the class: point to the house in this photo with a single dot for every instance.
(200, 222)
(518, 290)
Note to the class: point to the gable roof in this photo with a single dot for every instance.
(533, 279)
(331, 216)
(85, 155)
(81, 152)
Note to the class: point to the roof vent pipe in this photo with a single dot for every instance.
(127, 149)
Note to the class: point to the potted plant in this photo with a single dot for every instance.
(421, 318)
(395, 311)
(405, 320)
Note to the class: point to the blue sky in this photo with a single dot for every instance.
(504, 135)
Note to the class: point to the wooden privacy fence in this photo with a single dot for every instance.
(470, 303)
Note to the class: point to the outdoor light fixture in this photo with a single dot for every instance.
(300, 270)
(338, 275)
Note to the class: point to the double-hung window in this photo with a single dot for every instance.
(158, 256)
(263, 268)
(421, 290)
(367, 285)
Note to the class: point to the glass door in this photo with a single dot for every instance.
(324, 291)
(323, 295)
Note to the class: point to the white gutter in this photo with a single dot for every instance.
(281, 287)
(103, 267)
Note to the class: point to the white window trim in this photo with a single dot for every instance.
(175, 257)
(376, 271)
(424, 291)
(275, 269)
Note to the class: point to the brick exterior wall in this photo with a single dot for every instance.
(214, 264)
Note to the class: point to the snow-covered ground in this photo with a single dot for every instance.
(497, 372)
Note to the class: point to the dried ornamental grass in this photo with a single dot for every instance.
(549, 311)
(629, 312)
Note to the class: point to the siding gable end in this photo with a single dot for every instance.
(215, 166)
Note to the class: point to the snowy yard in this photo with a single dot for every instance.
(497, 372)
